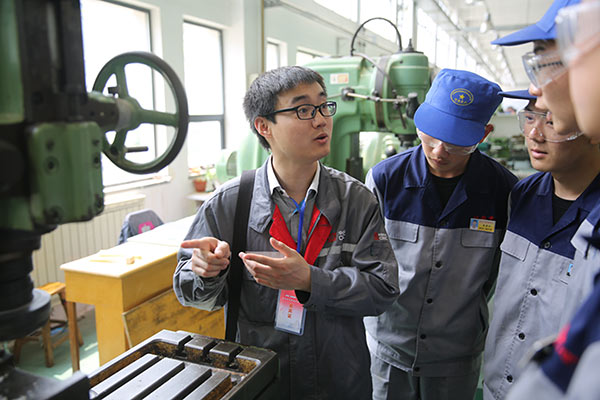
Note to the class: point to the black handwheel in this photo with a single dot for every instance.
(131, 114)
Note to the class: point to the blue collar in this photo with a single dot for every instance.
(531, 212)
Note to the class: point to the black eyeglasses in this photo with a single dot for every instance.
(308, 111)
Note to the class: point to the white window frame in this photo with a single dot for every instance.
(220, 118)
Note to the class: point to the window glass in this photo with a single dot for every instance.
(442, 57)
(426, 35)
(203, 143)
(379, 8)
(203, 68)
(452, 53)
(404, 20)
(273, 60)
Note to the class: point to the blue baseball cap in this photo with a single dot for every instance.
(457, 107)
(544, 29)
(518, 94)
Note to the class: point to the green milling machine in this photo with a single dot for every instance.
(52, 135)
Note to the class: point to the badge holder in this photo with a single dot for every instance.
(290, 313)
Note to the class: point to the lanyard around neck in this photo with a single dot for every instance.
(300, 208)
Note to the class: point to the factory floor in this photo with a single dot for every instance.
(32, 354)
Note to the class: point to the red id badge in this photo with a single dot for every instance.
(290, 313)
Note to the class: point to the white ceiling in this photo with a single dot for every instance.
(463, 19)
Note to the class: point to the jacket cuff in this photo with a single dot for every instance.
(319, 282)
(203, 284)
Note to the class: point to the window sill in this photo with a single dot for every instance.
(154, 180)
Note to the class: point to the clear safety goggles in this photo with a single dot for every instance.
(540, 124)
(577, 30)
(450, 148)
(543, 68)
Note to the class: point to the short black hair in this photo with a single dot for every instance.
(261, 97)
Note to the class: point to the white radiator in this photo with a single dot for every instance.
(80, 239)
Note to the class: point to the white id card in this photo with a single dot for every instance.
(290, 313)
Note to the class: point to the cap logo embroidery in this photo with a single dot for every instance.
(461, 97)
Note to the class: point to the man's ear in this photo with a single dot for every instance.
(489, 128)
(262, 127)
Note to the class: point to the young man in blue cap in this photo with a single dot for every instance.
(445, 210)
(540, 282)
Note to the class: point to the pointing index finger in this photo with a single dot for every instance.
(202, 244)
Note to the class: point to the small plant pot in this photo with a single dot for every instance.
(200, 184)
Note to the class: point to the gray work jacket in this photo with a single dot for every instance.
(536, 270)
(447, 266)
(354, 275)
(569, 368)
(548, 378)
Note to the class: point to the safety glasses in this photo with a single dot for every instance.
(577, 30)
(543, 68)
(540, 124)
(450, 148)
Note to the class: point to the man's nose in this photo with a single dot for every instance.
(319, 119)
(439, 150)
(535, 133)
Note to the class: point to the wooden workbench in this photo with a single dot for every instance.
(127, 276)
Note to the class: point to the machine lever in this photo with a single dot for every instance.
(136, 149)
(398, 100)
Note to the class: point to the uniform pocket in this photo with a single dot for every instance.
(515, 246)
(563, 271)
(469, 238)
(400, 230)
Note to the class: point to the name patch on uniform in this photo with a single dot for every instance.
(484, 225)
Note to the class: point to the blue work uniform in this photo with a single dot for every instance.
(447, 263)
(535, 273)
(353, 274)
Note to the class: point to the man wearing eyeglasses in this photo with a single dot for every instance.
(539, 283)
(317, 259)
(445, 209)
(568, 368)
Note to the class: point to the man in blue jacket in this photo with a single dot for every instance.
(568, 369)
(539, 283)
(445, 210)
